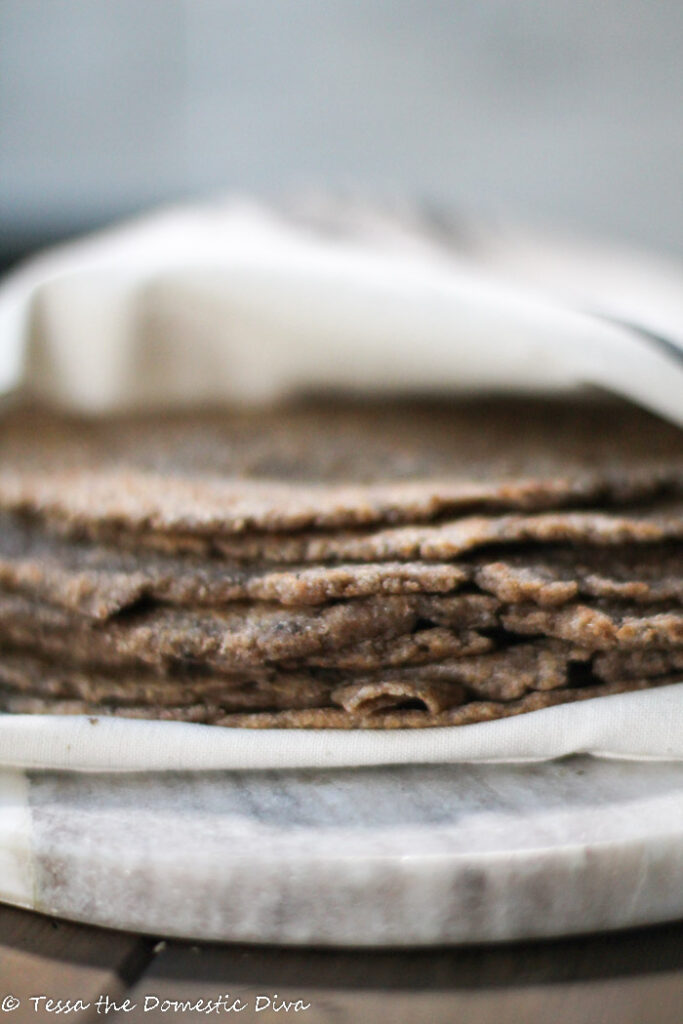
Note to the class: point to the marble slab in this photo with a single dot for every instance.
(392, 856)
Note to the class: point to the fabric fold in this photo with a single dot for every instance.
(240, 302)
(644, 725)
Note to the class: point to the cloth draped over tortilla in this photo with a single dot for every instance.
(460, 552)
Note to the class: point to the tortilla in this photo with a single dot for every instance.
(601, 626)
(24, 675)
(502, 675)
(443, 541)
(426, 645)
(638, 663)
(554, 576)
(331, 465)
(100, 582)
(233, 638)
(335, 718)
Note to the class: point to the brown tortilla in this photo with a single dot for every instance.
(554, 576)
(22, 674)
(500, 675)
(503, 675)
(638, 663)
(102, 581)
(331, 465)
(239, 636)
(335, 718)
(600, 627)
(424, 646)
(443, 541)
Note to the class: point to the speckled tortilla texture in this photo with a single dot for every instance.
(465, 714)
(554, 576)
(337, 718)
(600, 627)
(331, 466)
(24, 675)
(367, 696)
(238, 636)
(426, 645)
(502, 675)
(100, 582)
(442, 541)
(638, 663)
(251, 635)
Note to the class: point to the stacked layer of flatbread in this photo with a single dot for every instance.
(339, 565)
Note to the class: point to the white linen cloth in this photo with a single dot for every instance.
(645, 725)
(236, 302)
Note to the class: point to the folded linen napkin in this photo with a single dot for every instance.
(241, 304)
(238, 302)
(629, 726)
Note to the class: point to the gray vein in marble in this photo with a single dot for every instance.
(390, 856)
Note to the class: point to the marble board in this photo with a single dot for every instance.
(395, 856)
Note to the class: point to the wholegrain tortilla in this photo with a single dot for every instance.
(638, 663)
(440, 542)
(237, 636)
(465, 714)
(22, 674)
(601, 626)
(645, 574)
(500, 675)
(503, 675)
(101, 581)
(335, 718)
(427, 645)
(330, 466)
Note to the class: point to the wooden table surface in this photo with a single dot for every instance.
(631, 977)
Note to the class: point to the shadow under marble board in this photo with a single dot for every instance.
(413, 855)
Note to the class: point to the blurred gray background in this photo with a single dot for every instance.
(557, 111)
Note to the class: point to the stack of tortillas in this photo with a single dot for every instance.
(357, 564)
(367, 562)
